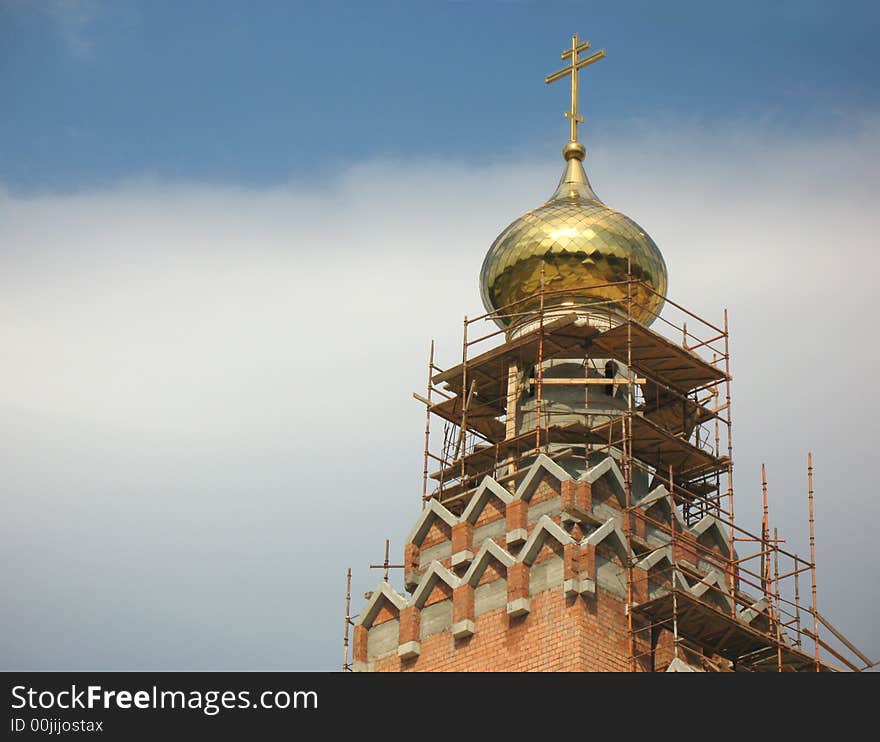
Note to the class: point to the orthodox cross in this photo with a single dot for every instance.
(386, 565)
(575, 65)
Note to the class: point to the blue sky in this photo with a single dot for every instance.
(263, 92)
(214, 215)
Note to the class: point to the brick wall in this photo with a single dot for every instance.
(548, 598)
(558, 634)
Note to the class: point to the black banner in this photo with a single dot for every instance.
(128, 706)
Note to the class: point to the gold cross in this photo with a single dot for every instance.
(572, 69)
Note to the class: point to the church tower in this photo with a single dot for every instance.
(578, 483)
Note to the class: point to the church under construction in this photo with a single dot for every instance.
(578, 496)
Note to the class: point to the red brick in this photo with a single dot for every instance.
(517, 512)
(462, 537)
(588, 561)
(517, 581)
(411, 557)
(359, 650)
(438, 533)
(639, 585)
(409, 625)
(462, 603)
(571, 555)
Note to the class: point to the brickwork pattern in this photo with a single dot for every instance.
(558, 635)
(560, 615)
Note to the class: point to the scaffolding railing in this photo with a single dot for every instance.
(474, 400)
(672, 424)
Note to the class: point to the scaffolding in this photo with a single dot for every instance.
(672, 426)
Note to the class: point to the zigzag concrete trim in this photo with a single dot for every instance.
(753, 611)
(659, 496)
(382, 593)
(488, 551)
(609, 529)
(710, 523)
(701, 587)
(435, 573)
(531, 481)
(608, 467)
(488, 489)
(658, 493)
(655, 557)
(545, 528)
(433, 511)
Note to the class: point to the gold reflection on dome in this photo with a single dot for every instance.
(580, 242)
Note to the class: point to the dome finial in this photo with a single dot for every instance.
(574, 149)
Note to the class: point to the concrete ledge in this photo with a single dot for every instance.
(460, 558)
(576, 515)
(463, 629)
(678, 665)
(581, 586)
(412, 579)
(516, 536)
(409, 650)
(518, 607)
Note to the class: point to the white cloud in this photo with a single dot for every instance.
(206, 389)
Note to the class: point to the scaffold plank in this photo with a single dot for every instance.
(658, 358)
(723, 634)
(657, 447)
(480, 417)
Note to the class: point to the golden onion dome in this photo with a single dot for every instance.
(583, 247)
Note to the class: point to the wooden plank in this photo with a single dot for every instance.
(659, 358)
(480, 416)
(706, 624)
(503, 352)
(678, 416)
(852, 666)
(842, 638)
(659, 448)
(513, 372)
(562, 336)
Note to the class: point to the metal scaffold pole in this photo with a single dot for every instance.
(673, 561)
(778, 603)
(539, 371)
(627, 446)
(813, 562)
(346, 667)
(729, 420)
(427, 425)
(671, 390)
